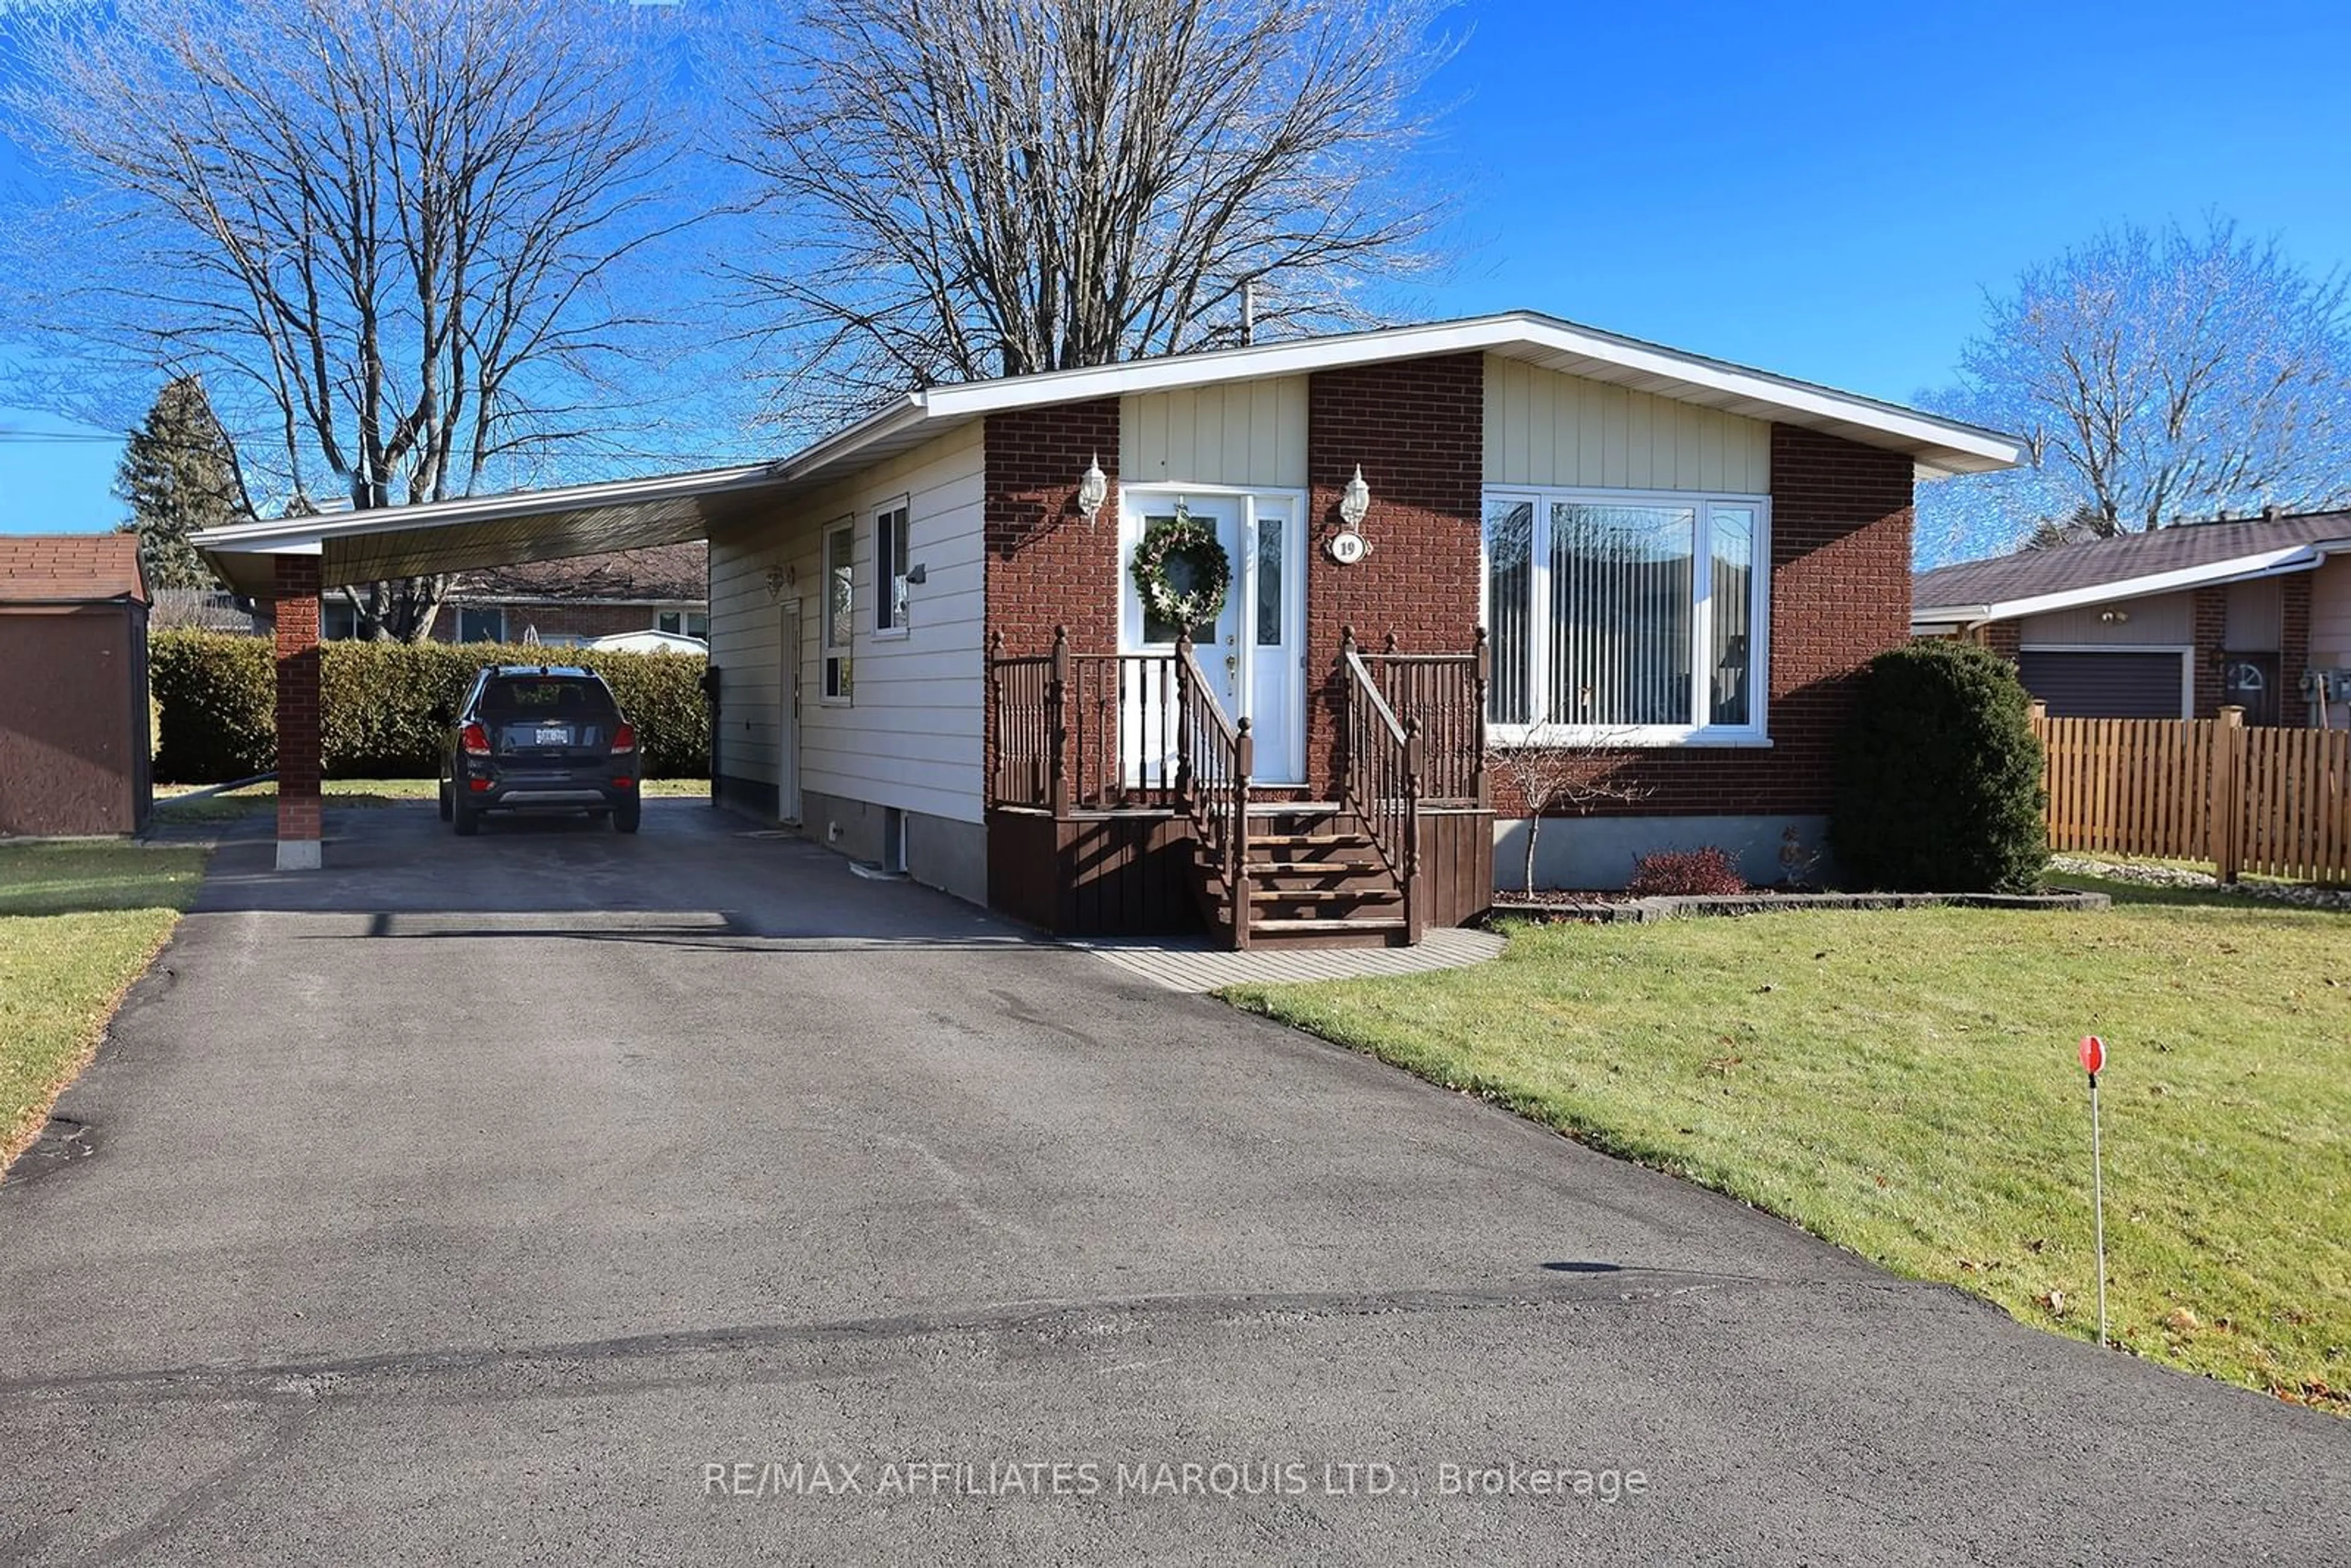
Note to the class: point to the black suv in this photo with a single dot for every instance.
(538, 737)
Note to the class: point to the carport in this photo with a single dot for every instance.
(293, 561)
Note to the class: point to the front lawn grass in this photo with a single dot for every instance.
(1903, 1083)
(255, 799)
(79, 922)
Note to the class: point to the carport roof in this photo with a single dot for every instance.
(544, 525)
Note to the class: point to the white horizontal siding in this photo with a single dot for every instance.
(910, 736)
(1247, 433)
(1545, 428)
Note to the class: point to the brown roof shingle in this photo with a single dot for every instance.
(2064, 567)
(54, 568)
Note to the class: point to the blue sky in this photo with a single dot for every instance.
(1821, 191)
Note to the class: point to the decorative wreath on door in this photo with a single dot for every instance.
(1180, 571)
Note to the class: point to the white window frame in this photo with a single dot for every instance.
(889, 572)
(498, 611)
(1756, 732)
(836, 670)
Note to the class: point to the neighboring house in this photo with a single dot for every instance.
(2172, 624)
(563, 603)
(1681, 560)
(202, 610)
(74, 724)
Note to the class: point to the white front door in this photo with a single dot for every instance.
(1254, 655)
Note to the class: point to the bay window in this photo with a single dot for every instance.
(1625, 618)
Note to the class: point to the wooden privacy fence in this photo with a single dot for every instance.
(2275, 802)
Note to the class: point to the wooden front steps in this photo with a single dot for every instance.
(1315, 880)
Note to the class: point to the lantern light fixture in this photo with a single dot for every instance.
(1356, 500)
(1093, 489)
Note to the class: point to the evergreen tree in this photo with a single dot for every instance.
(179, 478)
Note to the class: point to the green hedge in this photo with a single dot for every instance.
(217, 693)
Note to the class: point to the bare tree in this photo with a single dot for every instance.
(2156, 376)
(1579, 775)
(983, 190)
(391, 236)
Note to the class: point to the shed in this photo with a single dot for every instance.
(74, 731)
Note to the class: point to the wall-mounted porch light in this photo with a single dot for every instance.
(1355, 501)
(1093, 489)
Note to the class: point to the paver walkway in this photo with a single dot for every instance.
(1189, 963)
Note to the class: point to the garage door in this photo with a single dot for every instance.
(2103, 685)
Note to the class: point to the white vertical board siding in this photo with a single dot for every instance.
(910, 736)
(1250, 433)
(1544, 428)
(2162, 619)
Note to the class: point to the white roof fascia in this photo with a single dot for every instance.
(279, 533)
(1310, 355)
(2242, 569)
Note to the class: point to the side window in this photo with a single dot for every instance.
(890, 568)
(840, 611)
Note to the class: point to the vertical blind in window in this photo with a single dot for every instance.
(1619, 614)
(1510, 590)
(1732, 597)
(1634, 614)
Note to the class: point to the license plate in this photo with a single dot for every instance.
(553, 735)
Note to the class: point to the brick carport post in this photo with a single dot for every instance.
(299, 806)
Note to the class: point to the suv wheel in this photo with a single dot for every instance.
(468, 821)
(626, 814)
(447, 812)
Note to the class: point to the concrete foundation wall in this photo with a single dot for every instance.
(941, 853)
(1598, 852)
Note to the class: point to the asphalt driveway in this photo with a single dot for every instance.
(551, 1196)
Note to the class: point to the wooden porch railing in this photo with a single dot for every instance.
(1025, 699)
(1446, 695)
(1380, 777)
(1215, 756)
(1071, 731)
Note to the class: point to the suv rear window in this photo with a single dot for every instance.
(530, 695)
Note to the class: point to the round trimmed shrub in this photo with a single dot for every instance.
(1939, 776)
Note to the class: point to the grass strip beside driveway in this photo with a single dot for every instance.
(79, 922)
(1903, 1083)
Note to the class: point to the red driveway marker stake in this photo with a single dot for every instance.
(2094, 1060)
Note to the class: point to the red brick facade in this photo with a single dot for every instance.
(299, 751)
(1840, 582)
(2211, 622)
(1417, 429)
(1840, 596)
(1047, 566)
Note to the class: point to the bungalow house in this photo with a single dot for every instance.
(1198, 640)
(2171, 623)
